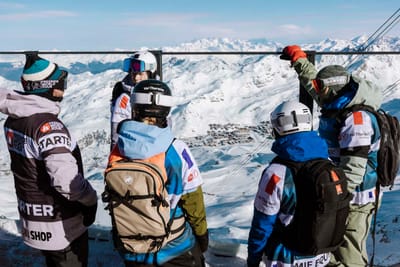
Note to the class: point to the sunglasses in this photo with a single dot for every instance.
(133, 65)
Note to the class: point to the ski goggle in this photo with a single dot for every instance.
(292, 120)
(320, 84)
(152, 99)
(57, 80)
(133, 65)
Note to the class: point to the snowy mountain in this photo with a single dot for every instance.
(223, 105)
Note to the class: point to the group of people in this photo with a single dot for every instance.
(57, 204)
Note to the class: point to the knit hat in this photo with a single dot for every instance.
(40, 75)
(330, 81)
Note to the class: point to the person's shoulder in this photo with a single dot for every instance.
(123, 101)
(180, 144)
(50, 125)
(119, 90)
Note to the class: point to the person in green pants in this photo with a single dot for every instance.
(353, 144)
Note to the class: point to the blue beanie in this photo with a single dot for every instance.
(40, 75)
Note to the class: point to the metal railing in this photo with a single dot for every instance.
(304, 97)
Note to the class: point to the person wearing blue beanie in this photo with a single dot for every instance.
(56, 203)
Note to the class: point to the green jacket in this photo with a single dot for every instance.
(355, 154)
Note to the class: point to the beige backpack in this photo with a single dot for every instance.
(138, 204)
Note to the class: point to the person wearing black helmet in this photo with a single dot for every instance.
(146, 134)
(56, 204)
(142, 65)
(353, 144)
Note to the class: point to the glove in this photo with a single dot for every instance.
(292, 53)
(203, 242)
(89, 214)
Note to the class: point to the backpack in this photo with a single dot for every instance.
(389, 150)
(138, 204)
(322, 207)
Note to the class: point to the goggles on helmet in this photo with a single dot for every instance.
(152, 99)
(134, 65)
(320, 84)
(59, 82)
(293, 120)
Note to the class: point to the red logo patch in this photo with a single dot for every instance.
(45, 128)
(273, 181)
(124, 102)
(192, 175)
(10, 137)
(357, 117)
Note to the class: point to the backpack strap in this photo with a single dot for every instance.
(292, 165)
(373, 230)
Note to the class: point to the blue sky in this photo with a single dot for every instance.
(130, 25)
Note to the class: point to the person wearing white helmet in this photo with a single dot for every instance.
(142, 65)
(276, 198)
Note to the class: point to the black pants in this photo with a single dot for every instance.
(75, 255)
(192, 258)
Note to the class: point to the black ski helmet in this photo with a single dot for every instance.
(151, 98)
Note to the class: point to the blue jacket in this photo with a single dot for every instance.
(276, 200)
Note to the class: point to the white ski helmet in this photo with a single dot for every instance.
(291, 117)
(141, 61)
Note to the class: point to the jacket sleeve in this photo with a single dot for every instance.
(120, 110)
(306, 73)
(193, 205)
(185, 180)
(63, 164)
(260, 231)
(355, 143)
(114, 135)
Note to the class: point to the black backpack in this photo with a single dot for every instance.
(322, 207)
(389, 151)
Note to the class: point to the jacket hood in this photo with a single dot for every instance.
(301, 146)
(18, 105)
(137, 140)
(359, 91)
(367, 94)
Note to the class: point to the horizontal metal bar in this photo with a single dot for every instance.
(208, 52)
